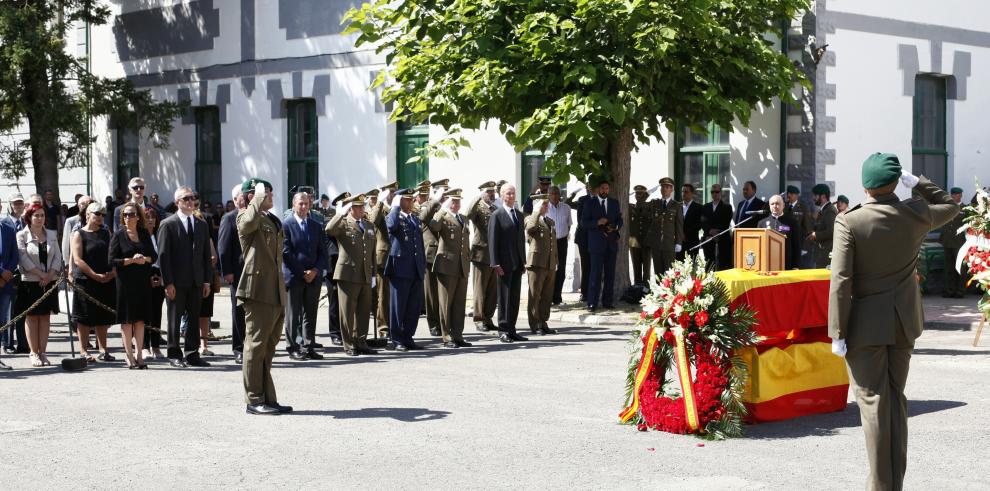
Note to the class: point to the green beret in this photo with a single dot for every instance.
(821, 189)
(793, 190)
(249, 185)
(880, 169)
(956, 191)
(843, 199)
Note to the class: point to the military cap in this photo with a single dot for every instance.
(440, 183)
(372, 192)
(425, 183)
(544, 179)
(424, 190)
(501, 182)
(666, 180)
(880, 169)
(487, 186)
(821, 189)
(453, 194)
(843, 199)
(324, 197)
(249, 185)
(355, 200)
(639, 188)
(536, 196)
(341, 196)
(392, 186)
(956, 190)
(405, 192)
(793, 190)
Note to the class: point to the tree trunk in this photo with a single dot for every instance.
(620, 158)
(43, 137)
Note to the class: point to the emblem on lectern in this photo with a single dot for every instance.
(750, 259)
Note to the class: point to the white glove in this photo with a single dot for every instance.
(446, 205)
(908, 180)
(839, 345)
(437, 193)
(259, 189)
(395, 201)
(374, 282)
(677, 248)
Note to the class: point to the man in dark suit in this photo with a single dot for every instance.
(184, 255)
(507, 253)
(716, 217)
(581, 237)
(405, 268)
(824, 224)
(602, 218)
(749, 203)
(304, 262)
(785, 224)
(231, 267)
(691, 211)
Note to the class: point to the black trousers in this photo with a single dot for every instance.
(237, 319)
(585, 268)
(333, 303)
(954, 282)
(558, 281)
(509, 290)
(300, 316)
(187, 302)
(153, 337)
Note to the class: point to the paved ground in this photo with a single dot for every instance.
(529, 415)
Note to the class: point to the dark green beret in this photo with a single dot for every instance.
(793, 190)
(843, 199)
(956, 191)
(821, 189)
(880, 169)
(249, 185)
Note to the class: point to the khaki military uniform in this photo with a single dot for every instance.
(485, 282)
(377, 216)
(430, 242)
(261, 291)
(875, 305)
(639, 248)
(353, 274)
(823, 228)
(451, 266)
(666, 231)
(541, 268)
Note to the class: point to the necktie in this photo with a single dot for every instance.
(361, 226)
(305, 230)
(604, 208)
(189, 226)
(460, 221)
(514, 220)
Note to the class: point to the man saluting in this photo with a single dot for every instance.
(874, 308)
(262, 293)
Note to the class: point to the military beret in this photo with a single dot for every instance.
(441, 183)
(392, 186)
(667, 180)
(453, 194)
(544, 179)
(249, 185)
(487, 186)
(425, 183)
(880, 169)
(341, 196)
(536, 196)
(821, 189)
(639, 188)
(355, 200)
(956, 190)
(843, 199)
(793, 190)
(372, 192)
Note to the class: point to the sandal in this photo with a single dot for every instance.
(44, 360)
(35, 360)
(105, 356)
(88, 357)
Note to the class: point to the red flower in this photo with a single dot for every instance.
(701, 318)
(698, 287)
(658, 314)
(666, 282)
(684, 320)
(642, 315)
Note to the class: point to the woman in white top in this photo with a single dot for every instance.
(40, 262)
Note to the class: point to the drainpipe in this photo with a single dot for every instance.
(782, 181)
(89, 144)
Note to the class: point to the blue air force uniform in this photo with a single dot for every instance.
(405, 268)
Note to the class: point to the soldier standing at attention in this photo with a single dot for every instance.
(355, 273)
(639, 250)
(426, 211)
(821, 235)
(261, 291)
(333, 297)
(479, 211)
(451, 267)
(541, 264)
(666, 228)
(952, 239)
(376, 215)
(875, 312)
(405, 269)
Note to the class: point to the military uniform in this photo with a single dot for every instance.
(354, 271)
(451, 267)
(261, 291)
(541, 268)
(875, 307)
(431, 288)
(666, 232)
(405, 268)
(952, 239)
(639, 249)
(485, 285)
(376, 215)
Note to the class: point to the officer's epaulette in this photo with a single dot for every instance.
(854, 208)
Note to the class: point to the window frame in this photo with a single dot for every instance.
(216, 194)
(308, 165)
(941, 95)
(125, 169)
(710, 153)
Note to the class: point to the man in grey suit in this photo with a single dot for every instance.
(875, 304)
(184, 256)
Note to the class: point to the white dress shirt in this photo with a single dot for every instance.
(561, 216)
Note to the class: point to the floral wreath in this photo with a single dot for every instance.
(686, 319)
(976, 250)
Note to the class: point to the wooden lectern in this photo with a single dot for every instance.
(759, 249)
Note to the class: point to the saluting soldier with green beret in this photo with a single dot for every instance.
(821, 234)
(875, 311)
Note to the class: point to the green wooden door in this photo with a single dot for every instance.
(409, 139)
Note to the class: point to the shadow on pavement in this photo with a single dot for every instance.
(827, 424)
(404, 414)
(950, 352)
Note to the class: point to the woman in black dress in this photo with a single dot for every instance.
(132, 253)
(94, 274)
(153, 323)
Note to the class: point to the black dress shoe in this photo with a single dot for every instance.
(177, 363)
(450, 344)
(195, 361)
(316, 345)
(491, 326)
(463, 344)
(536, 331)
(401, 347)
(533, 329)
(435, 331)
(281, 409)
(592, 308)
(546, 330)
(391, 347)
(297, 355)
(336, 341)
(238, 357)
(517, 337)
(9, 351)
(481, 327)
(262, 409)
(312, 354)
(350, 352)
(504, 337)
(367, 351)
(415, 347)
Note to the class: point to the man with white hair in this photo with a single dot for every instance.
(231, 266)
(507, 253)
(136, 189)
(786, 225)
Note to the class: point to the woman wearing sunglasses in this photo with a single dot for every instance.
(93, 273)
(40, 264)
(132, 254)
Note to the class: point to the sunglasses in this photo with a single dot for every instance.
(129, 214)
(98, 214)
(137, 188)
(188, 198)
